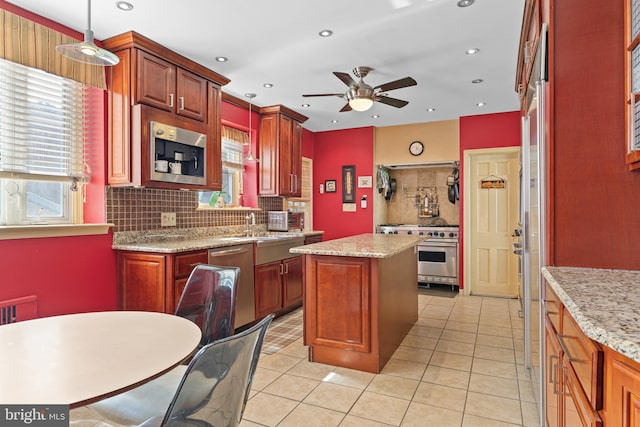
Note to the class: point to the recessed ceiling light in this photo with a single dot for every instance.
(477, 81)
(465, 3)
(306, 105)
(481, 104)
(431, 110)
(124, 5)
(472, 51)
(334, 121)
(325, 33)
(222, 58)
(375, 116)
(268, 85)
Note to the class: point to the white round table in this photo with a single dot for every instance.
(78, 359)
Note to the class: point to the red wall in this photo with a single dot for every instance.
(67, 274)
(332, 150)
(484, 131)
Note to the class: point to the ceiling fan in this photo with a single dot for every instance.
(361, 96)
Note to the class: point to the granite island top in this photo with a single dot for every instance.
(363, 245)
(604, 303)
(185, 240)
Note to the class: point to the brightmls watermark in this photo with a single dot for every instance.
(34, 415)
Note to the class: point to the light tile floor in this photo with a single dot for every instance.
(460, 365)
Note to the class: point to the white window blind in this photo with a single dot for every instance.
(42, 125)
(231, 155)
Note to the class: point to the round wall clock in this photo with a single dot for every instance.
(416, 148)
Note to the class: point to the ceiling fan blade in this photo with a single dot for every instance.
(397, 84)
(346, 78)
(398, 103)
(341, 95)
(347, 107)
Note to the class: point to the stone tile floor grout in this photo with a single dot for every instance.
(460, 365)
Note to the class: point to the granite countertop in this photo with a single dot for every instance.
(604, 303)
(192, 239)
(363, 245)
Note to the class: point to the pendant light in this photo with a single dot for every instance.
(250, 157)
(87, 51)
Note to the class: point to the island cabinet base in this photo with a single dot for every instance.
(358, 310)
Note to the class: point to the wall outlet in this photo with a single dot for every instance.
(167, 219)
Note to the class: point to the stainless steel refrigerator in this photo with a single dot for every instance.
(532, 218)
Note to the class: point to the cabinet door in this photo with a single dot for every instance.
(142, 282)
(214, 157)
(296, 158)
(192, 95)
(155, 81)
(292, 281)
(268, 288)
(577, 409)
(268, 148)
(285, 132)
(623, 391)
(553, 382)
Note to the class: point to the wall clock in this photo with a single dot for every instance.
(416, 148)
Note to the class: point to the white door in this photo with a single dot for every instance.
(493, 215)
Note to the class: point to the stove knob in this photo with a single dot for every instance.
(429, 234)
(420, 233)
(409, 232)
(395, 232)
(451, 234)
(441, 234)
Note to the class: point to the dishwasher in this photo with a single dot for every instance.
(240, 256)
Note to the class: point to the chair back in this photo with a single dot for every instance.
(209, 300)
(215, 387)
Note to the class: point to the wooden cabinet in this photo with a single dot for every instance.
(622, 400)
(530, 34)
(574, 369)
(164, 85)
(278, 286)
(315, 238)
(280, 171)
(174, 90)
(153, 281)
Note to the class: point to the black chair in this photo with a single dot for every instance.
(209, 300)
(213, 390)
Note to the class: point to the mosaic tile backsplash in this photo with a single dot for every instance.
(138, 209)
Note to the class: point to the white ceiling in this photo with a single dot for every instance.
(277, 42)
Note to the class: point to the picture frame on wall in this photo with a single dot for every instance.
(349, 184)
(365, 181)
(330, 186)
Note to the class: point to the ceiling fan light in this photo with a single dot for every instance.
(360, 104)
(89, 49)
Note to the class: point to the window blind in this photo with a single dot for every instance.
(233, 142)
(42, 125)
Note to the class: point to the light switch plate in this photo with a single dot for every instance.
(167, 219)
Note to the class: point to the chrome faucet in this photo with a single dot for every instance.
(253, 224)
(250, 224)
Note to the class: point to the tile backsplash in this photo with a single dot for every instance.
(411, 186)
(138, 209)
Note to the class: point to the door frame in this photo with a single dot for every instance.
(466, 208)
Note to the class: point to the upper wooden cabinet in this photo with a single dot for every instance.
(163, 85)
(181, 93)
(280, 171)
(529, 37)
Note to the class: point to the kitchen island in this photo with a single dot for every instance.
(360, 298)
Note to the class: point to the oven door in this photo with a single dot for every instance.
(438, 260)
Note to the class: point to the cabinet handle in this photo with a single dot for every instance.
(558, 386)
(286, 268)
(295, 181)
(171, 100)
(551, 371)
(182, 103)
(195, 264)
(566, 350)
(281, 269)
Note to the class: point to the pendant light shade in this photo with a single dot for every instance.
(87, 51)
(250, 157)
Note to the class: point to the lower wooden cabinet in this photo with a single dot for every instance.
(574, 370)
(154, 281)
(622, 399)
(278, 285)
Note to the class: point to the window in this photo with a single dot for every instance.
(42, 146)
(233, 143)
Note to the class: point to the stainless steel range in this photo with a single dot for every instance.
(437, 255)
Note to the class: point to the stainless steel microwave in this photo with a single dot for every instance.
(177, 155)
